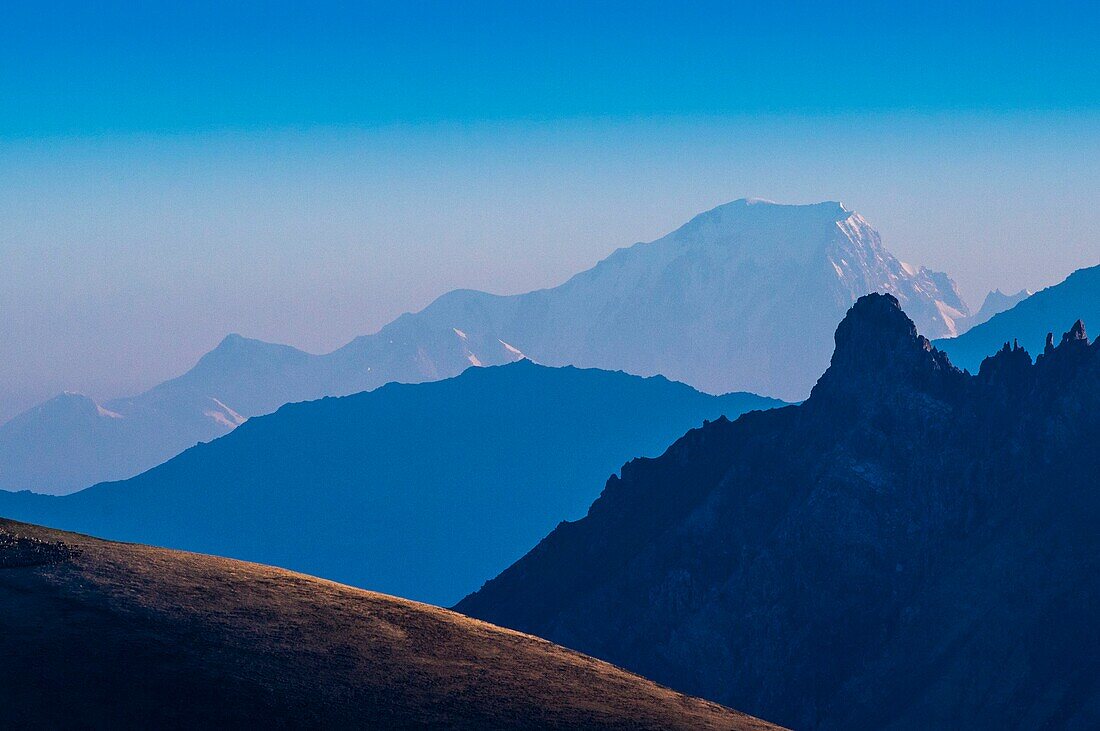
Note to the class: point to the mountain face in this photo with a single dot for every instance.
(423, 491)
(911, 547)
(698, 306)
(121, 636)
(1029, 322)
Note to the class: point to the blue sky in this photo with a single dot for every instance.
(303, 173)
(93, 68)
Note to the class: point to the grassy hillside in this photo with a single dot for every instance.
(121, 635)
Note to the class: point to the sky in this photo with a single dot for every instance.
(303, 173)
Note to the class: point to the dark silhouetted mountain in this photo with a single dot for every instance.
(423, 491)
(698, 306)
(912, 547)
(106, 635)
(1046, 311)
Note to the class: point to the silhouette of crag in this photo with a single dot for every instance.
(912, 547)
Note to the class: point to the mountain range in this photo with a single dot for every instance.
(911, 547)
(71, 442)
(121, 636)
(701, 305)
(423, 491)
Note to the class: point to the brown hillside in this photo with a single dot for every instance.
(99, 634)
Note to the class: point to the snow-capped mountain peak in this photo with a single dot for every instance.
(743, 297)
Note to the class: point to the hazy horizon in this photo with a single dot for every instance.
(308, 185)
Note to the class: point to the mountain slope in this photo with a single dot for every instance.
(911, 547)
(110, 635)
(424, 491)
(1078, 296)
(699, 305)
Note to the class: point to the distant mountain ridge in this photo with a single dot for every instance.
(1030, 320)
(995, 303)
(423, 491)
(700, 306)
(72, 442)
(912, 547)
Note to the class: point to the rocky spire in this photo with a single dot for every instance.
(1072, 348)
(1008, 367)
(1076, 333)
(877, 345)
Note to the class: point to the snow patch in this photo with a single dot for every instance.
(950, 316)
(107, 412)
(226, 416)
(513, 350)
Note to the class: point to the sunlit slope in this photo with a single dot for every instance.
(115, 635)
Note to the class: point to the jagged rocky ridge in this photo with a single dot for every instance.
(912, 547)
(1075, 297)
